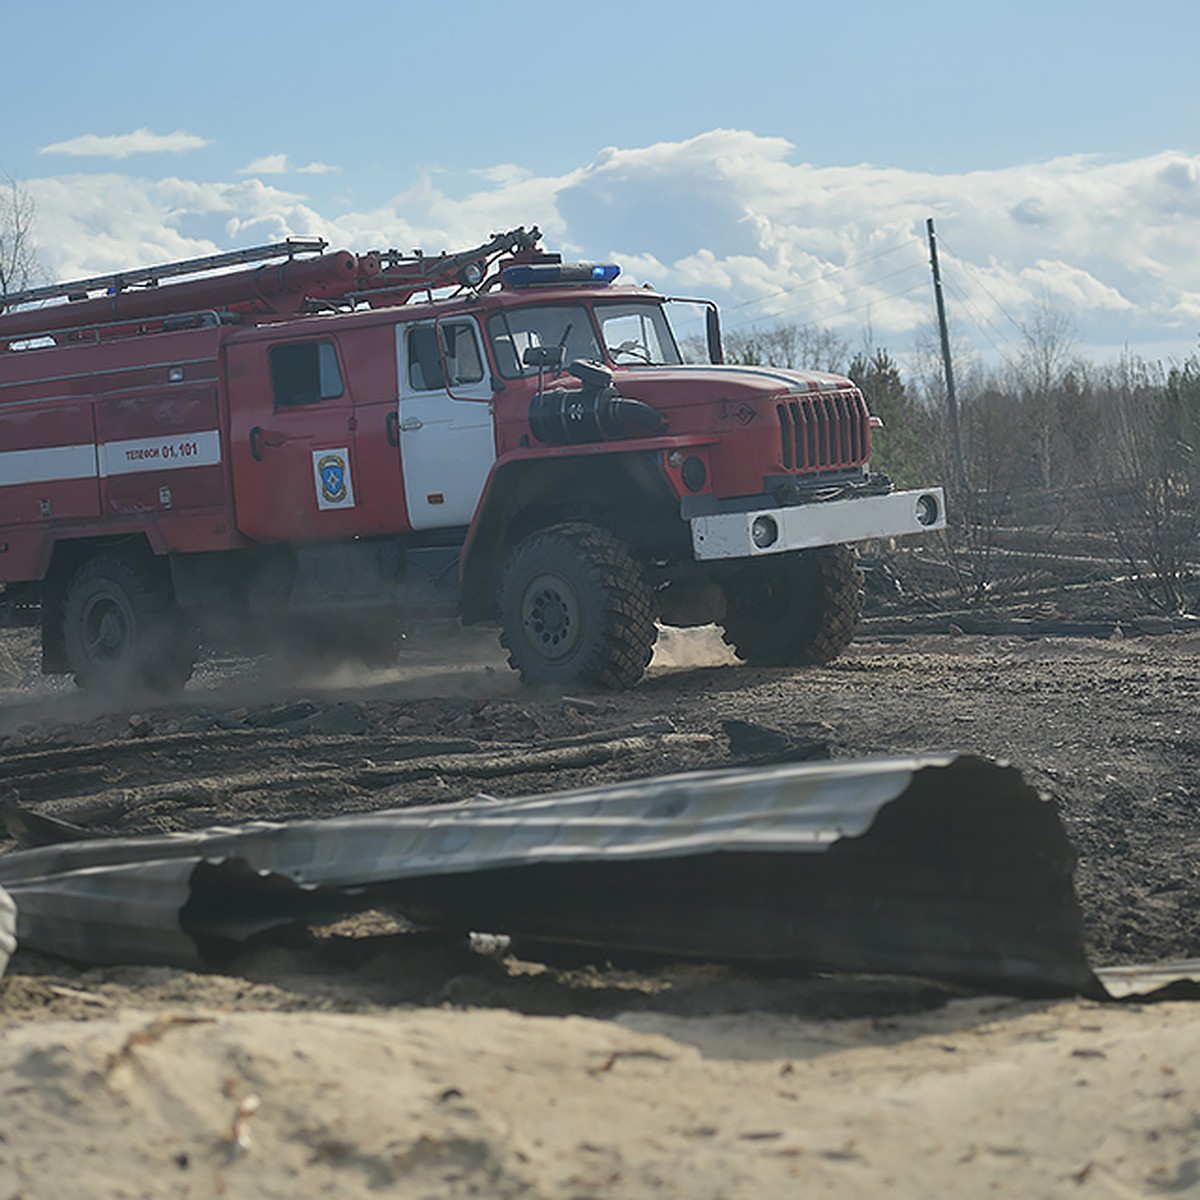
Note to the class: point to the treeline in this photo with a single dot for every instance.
(1052, 447)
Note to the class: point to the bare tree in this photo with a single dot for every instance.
(1048, 346)
(995, 461)
(18, 252)
(798, 347)
(1150, 488)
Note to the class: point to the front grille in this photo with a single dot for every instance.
(823, 431)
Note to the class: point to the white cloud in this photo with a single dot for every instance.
(503, 173)
(122, 145)
(730, 212)
(279, 164)
(271, 164)
(739, 217)
(92, 224)
(1074, 287)
(427, 217)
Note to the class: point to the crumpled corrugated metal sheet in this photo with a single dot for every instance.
(1178, 980)
(8, 929)
(950, 867)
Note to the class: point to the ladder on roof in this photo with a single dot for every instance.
(145, 277)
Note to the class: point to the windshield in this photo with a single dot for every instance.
(515, 330)
(633, 331)
(636, 332)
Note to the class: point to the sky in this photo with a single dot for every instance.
(782, 160)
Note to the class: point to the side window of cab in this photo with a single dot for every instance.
(459, 352)
(305, 373)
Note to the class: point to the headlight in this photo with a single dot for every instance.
(764, 532)
(694, 473)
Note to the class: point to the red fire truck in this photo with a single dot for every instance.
(292, 438)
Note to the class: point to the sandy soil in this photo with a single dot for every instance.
(362, 1060)
(979, 1097)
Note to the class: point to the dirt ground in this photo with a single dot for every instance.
(360, 1059)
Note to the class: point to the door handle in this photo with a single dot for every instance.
(260, 437)
(410, 423)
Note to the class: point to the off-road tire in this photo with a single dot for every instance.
(122, 627)
(793, 610)
(575, 608)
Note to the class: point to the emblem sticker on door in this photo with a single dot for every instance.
(331, 474)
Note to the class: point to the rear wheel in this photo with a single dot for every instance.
(794, 610)
(121, 625)
(575, 608)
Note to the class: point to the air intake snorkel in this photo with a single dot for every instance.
(595, 413)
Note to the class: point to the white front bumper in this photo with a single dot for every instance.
(828, 523)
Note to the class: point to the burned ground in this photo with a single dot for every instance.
(1106, 726)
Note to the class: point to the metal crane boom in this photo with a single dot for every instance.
(119, 281)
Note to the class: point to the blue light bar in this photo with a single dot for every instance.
(547, 274)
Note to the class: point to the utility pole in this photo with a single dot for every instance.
(960, 469)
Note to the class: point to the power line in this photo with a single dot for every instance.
(977, 320)
(820, 278)
(836, 296)
(879, 299)
(858, 307)
(962, 262)
(920, 283)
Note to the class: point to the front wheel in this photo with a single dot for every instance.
(793, 610)
(575, 608)
(121, 626)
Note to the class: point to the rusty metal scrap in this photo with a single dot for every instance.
(949, 867)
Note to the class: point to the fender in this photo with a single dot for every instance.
(522, 476)
(74, 545)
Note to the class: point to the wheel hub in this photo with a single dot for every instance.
(107, 629)
(550, 616)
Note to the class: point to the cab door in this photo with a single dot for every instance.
(292, 434)
(447, 434)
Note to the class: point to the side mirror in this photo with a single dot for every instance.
(545, 358)
(712, 330)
